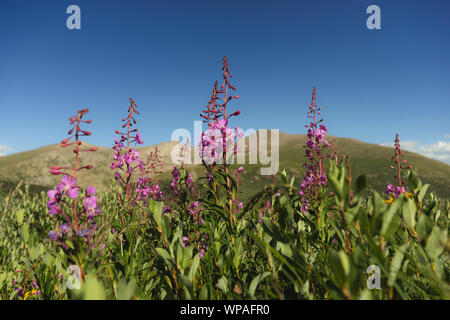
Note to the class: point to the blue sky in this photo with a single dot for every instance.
(167, 55)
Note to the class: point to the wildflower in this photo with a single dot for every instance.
(90, 205)
(399, 167)
(90, 191)
(260, 216)
(68, 185)
(55, 198)
(202, 250)
(316, 142)
(138, 138)
(194, 210)
(128, 161)
(390, 189)
(82, 233)
(52, 235)
(64, 228)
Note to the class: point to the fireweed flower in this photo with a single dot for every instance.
(90, 205)
(64, 228)
(90, 191)
(153, 165)
(126, 159)
(390, 189)
(144, 190)
(53, 235)
(194, 210)
(55, 198)
(399, 167)
(185, 241)
(315, 176)
(202, 249)
(175, 179)
(68, 185)
(63, 199)
(216, 140)
(219, 138)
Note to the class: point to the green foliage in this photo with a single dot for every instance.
(268, 250)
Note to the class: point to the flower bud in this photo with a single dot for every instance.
(55, 172)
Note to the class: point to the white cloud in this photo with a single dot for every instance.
(412, 145)
(4, 149)
(439, 150)
(447, 136)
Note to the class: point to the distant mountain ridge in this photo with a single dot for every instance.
(32, 166)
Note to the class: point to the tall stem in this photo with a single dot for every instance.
(75, 169)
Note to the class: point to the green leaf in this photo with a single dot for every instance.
(34, 253)
(396, 264)
(255, 282)
(93, 289)
(166, 256)
(24, 232)
(222, 284)
(70, 244)
(361, 183)
(340, 265)
(409, 213)
(165, 225)
(126, 290)
(285, 211)
(414, 181)
(194, 267)
(156, 207)
(273, 230)
(436, 243)
(389, 224)
(19, 216)
(203, 295)
(424, 226)
(422, 192)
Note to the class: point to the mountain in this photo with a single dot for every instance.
(32, 167)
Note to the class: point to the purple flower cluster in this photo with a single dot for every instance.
(90, 204)
(396, 191)
(67, 187)
(185, 241)
(128, 161)
(144, 190)
(315, 144)
(217, 141)
(175, 180)
(57, 199)
(202, 248)
(239, 205)
(194, 211)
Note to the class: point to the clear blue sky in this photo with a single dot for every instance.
(167, 55)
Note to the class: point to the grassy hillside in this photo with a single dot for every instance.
(374, 160)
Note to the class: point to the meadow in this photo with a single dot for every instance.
(313, 232)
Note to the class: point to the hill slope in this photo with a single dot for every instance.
(374, 160)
